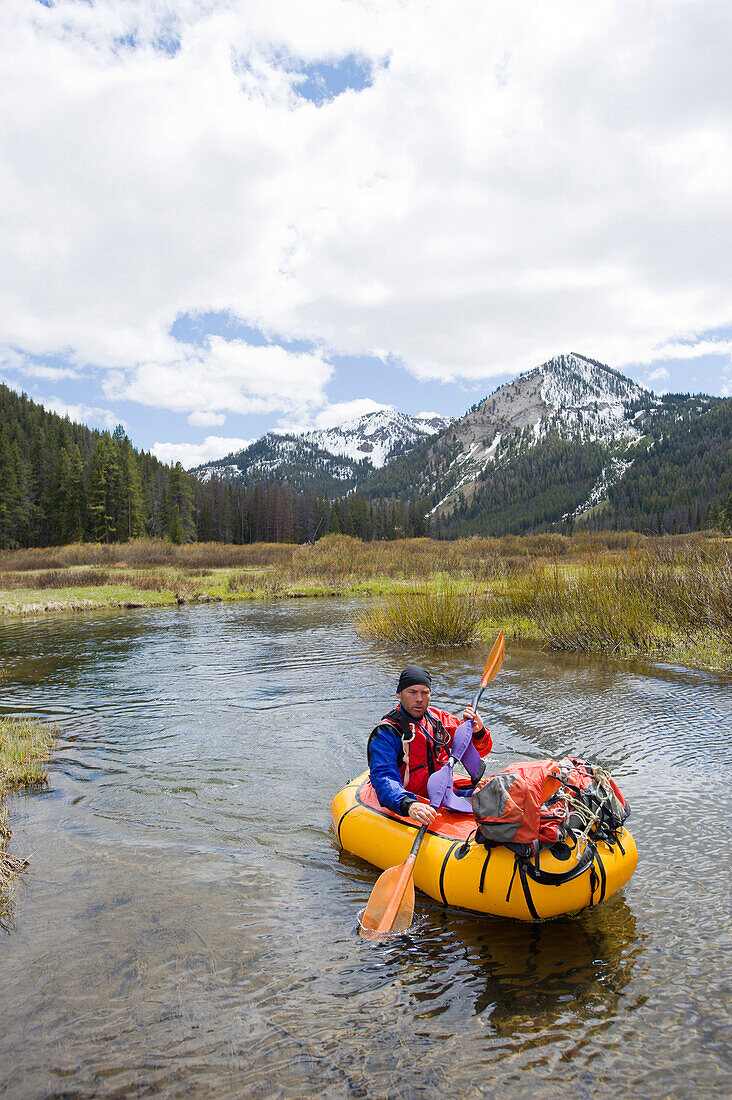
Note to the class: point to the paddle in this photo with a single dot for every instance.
(439, 784)
(492, 665)
(390, 907)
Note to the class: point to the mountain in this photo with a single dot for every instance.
(378, 436)
(570, 394)
(569, 444)
(287, 458)
(549, 448)
(332, 460)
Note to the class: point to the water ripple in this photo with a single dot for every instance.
(189, 923)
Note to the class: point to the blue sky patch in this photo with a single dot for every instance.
(196, 328)
(322, 81)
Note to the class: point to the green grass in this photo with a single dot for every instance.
(24, 746)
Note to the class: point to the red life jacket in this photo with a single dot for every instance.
(425, 745)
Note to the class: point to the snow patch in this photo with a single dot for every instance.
(377, 436)
(610, 475)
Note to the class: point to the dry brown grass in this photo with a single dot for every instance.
(613, 592)
(635, 602)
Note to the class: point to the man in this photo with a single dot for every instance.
(412, 742)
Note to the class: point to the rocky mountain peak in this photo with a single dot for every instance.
(576, 381)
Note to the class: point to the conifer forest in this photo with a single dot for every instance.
(62, 482)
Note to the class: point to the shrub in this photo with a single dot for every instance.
(423, 618)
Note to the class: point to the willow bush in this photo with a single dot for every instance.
(637, 602)
(446, 616)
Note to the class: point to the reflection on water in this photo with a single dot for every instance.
(189, 925)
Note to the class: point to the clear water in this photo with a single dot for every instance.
(188, 924)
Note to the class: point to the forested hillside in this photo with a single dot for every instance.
(683, 480)
(62, 482)
(531, 488)
(676, 479)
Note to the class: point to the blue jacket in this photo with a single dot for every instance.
(384, 748)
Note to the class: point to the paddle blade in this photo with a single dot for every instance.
(381, 895)
(492, 665)
(462, 739)
(495, 660)
(473, 762)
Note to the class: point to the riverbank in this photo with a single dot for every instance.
(619, 593)
(24, 746)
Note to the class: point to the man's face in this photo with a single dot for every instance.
(415, 699)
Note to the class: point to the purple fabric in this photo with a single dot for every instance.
(457, 803)
(473, 762)
(462, 737)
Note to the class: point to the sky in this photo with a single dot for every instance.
(222, 217)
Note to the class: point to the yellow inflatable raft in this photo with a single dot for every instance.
(452, 868)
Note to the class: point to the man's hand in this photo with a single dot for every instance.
(422, 812)
(477, 720)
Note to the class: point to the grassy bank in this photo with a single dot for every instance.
(619, 593)
(24, 746)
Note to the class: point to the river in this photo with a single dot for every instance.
(188, 926)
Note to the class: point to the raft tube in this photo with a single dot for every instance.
(453, 869)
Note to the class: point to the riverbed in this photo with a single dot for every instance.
(188, 925)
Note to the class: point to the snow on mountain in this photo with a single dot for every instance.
(609, 476)
(205, 473)
(377, 436)
(589, 396)
(328, 456)
(570, 394)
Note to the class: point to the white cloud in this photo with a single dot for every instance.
(334, 415)
(659, 375)
(194, 454)
(225, 374)
(206, 419)
(519, 179)
(49, 374)
(12, 360)
(84, 414)
(695, 348)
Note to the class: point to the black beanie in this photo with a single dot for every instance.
(412, 675)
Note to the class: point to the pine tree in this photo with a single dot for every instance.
(180, 496)
(127, 489)
(103, 473)
(175, 527)
(10, 493)
(71, 495)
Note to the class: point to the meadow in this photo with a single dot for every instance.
(622, 594)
